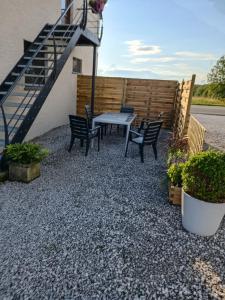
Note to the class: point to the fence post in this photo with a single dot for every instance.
(124, 92)
(188, 112)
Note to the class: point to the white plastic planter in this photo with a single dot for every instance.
(200, 217)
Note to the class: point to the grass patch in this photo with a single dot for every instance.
(208, 101)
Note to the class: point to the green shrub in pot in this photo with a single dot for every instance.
(203, 176)
(203, 196)
(175, 174)
(24, 161)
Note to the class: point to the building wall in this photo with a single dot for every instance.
(19, 20)
(24, 19)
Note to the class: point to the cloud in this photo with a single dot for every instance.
(137, 47)
(162, 59)
(195, 55)
(103, 69)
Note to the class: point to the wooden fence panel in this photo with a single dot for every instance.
(183, 107)
(196, 136)
(108, 94)
(148, 97)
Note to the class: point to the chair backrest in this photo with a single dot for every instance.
(151, 132)
(79, 127)
(126, 109)
(88, 114)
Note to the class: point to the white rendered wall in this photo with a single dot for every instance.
(22, 20)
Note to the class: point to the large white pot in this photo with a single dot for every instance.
(200, 217)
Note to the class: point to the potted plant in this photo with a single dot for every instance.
(203, 196)
(175, 161)
(175, 182)
(97, 6)
(24, 161)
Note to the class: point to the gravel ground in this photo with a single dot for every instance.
(215, 129)
(101, 228)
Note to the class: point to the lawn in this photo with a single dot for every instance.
(207, 101)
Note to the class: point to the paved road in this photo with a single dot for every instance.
(208, 110)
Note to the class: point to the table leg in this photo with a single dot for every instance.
(127, 136)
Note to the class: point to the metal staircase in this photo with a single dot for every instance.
(25, 89)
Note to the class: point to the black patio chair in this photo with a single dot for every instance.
(148, 137)
(127, 110)
(80, 130)
(90, 116)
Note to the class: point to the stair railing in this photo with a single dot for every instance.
(82, 22)
(36, 81)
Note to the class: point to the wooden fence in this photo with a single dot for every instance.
(196, 135)
(148, 97)
(182, 108)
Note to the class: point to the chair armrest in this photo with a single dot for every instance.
(135, 132)
(95, 129)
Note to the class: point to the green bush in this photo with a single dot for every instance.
(203, 176)
(26, 153)
(175, 174)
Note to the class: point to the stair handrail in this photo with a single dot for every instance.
(39, 48)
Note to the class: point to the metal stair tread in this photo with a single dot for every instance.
(12, 116)
(25, 94)
(15, 104)
(44, 51)
(56, 37)
(10, 128)
(38, 58)
(30, 75)
(35, 67)
(51, 45)
(30, 85)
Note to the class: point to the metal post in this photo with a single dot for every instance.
(93, 79)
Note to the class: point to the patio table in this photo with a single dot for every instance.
(115, 118)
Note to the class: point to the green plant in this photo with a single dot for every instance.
(175, 174)
(26, 153)
(203, 176)
(176, 156)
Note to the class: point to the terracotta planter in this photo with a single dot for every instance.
(200, 217)
(24, 173)
(175, 194)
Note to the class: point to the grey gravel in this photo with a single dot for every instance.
(101, 228)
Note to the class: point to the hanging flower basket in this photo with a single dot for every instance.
(97, 6)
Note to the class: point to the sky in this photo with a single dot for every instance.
(162, 39)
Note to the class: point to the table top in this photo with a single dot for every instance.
(116, 118)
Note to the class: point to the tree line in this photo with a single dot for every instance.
(216, 82)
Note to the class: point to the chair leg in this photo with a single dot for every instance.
(98, 140)
(155, 150)
(102, 129)
(87, 147)
(141, 148)
(126, 148)
(71, 143)
(82, 143)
